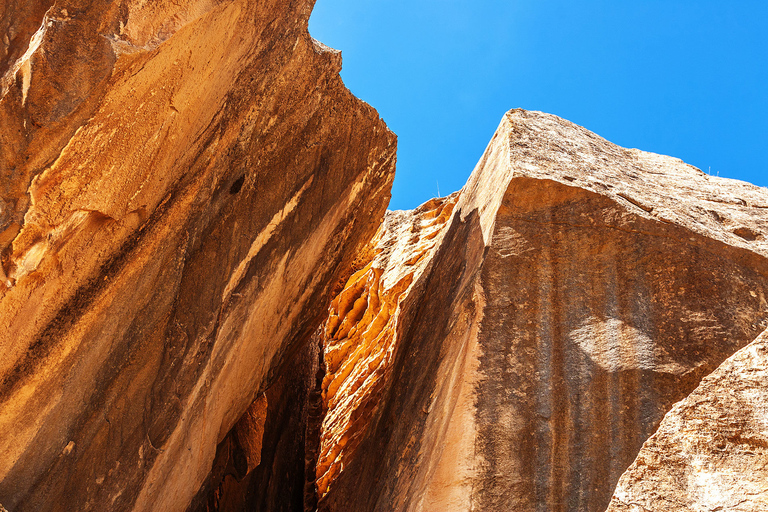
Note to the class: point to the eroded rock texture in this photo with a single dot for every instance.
(183, 183)
(711, 450)
(522, 356)
(361, 333)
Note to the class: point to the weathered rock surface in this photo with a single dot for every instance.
(361, 335)
(521, 358)
(187, 184)
(711, 450)
(183, 184)
(267, 462)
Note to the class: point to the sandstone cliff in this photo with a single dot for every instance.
(188, 191)
(513, 347)
(183, 184)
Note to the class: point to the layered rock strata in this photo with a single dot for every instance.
(711, 450)
(360, 335)
(574, 294)
(183, 184)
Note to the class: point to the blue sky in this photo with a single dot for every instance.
(678, 77)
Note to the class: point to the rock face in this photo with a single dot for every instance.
(267, 461)
(186, 187)
(183, 184)
(361, 333)
(711, 450)
(517, 353)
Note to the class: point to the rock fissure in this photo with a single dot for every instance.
(205, 306)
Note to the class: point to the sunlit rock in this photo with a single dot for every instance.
(576, 291)
(183, 184)
(711, 449)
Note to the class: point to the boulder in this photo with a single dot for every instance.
(711, 450)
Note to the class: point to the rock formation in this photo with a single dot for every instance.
(183, 185)
(360, 336)
(513, 347)
(202, 309)
(711, 450)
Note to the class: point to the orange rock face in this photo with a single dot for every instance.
(187, 186)
(183, 183)
(360, 335)
(576, 292)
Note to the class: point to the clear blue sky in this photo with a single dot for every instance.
(687, 78)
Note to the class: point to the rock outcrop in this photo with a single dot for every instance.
(187, 187)
(183, 185)
(512, 348)
(711, 450)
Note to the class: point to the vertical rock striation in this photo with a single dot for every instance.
(576, 292)
(182, 182)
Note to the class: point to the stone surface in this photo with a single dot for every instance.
(711, 449)
(287, 433)
(360, 335)
(187, 185)
(576, 292)
(183, 184)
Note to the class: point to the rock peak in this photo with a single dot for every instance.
(574, 292)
